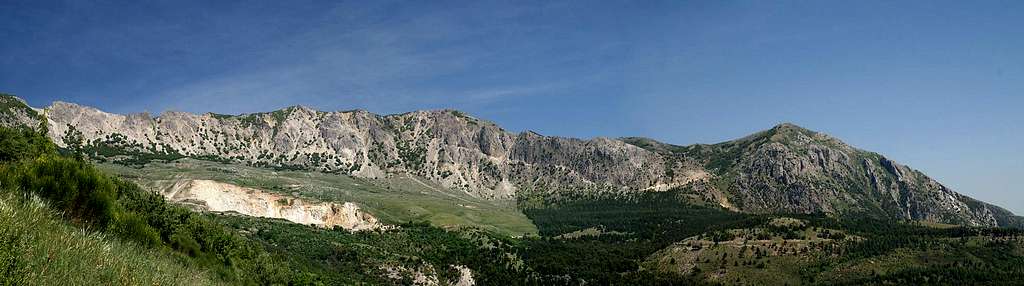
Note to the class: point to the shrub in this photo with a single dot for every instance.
(133, 227)
(71, 186)
(19, 143)
(183, 242)
(92, 199)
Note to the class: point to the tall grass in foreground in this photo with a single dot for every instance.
(85, 198)
(39, 248)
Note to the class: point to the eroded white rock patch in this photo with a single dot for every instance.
(223, 197)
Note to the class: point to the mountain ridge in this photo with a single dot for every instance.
(786, 168)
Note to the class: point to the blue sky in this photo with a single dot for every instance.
(937, 85)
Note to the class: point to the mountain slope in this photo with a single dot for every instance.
(453, 149)
(791, 169)
(65, 222)
(785, 169)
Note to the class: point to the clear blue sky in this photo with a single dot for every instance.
(936, 85)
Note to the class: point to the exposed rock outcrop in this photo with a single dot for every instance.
(784, 169)
(794, 170)
(446, 146)
(222, 197)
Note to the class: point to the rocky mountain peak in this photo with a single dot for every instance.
(793, 136)
(69, 105)
(790, 127)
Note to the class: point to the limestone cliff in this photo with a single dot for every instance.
(784, 169)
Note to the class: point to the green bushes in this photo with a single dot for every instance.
(18, 143)
(183, 242)
(133, 226)
(39, 248)
(339, 257)
(83, 194)
(90, 199)
(69, 185)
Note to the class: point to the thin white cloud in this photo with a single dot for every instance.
(341, 65)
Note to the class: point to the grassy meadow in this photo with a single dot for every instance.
(397, 199)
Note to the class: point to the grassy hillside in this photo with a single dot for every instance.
(102, 219)
(37, 247)
(126, 216)
(395, 200)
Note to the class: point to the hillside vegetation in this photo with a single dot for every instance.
(66, 222)
(37, 247)
(64, 215)
(92, 201)
(394, 200)
(635, 242)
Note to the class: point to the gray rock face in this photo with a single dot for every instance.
(449, 147)
(797, 170)
(15, 112)
(784, 169)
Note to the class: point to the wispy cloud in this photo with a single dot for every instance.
(387, 66)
